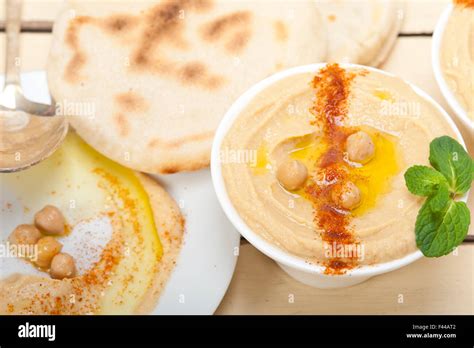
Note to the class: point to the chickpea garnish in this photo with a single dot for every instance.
(25, 235)
(62, 266)
(48, 247)
(50, 221)
(346, 196)
(292, 174)
(360, 147)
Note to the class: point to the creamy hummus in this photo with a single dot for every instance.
(125, 235)
(457, 54)
(120, 282)
(280, 123)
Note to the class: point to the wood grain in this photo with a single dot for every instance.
(32, 26)
(420, 15)
(34, 10)
(259, 286)
(428, 286)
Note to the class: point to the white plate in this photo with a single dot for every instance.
(210, 250)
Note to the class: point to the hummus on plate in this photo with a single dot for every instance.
(125, 234)
(315, 164)
(457, 54)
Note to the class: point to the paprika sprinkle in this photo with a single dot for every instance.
(332, 87)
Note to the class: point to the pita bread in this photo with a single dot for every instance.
(161, 75)
(361, 32)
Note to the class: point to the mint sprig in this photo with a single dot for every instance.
(450, 159)
(423, 180)
(438, 233)
(442, 222)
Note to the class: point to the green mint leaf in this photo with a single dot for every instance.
(450, 158)
(439, 232)
(439, 199)
(424, 181)
(472, 167)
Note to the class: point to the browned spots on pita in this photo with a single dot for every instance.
(75, 64)
(281, 31)
(72, 40)
(122, 124)
(178, 143)
(214, 82)
(197, 73)
(238, 41)
(162, 24)
(131, 102)
(119, 23)
(216, 29)
(233, 30)
(332, 18)
(202, 5)
(170, 170)
(180, 167)
(116, 24)
(193, 71)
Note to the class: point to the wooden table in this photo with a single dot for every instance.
(259, 286)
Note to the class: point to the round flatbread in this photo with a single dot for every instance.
(148, 82)
(361, 32)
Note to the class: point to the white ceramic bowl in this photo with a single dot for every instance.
(435, 61)
(295, 266)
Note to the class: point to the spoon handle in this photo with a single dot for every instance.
(13, 25)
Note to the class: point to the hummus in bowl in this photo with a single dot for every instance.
(309, 165)
(453, 58)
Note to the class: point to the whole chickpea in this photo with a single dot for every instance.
(50, 220)
(25, 234)
(292, 174)
(62, 266)
(346, 196)
(360, 147)
(48, 247)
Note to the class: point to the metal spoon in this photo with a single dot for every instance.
(29, 131)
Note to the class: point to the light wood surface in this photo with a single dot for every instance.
(420, 15)
(259, 286)
(429, 286)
